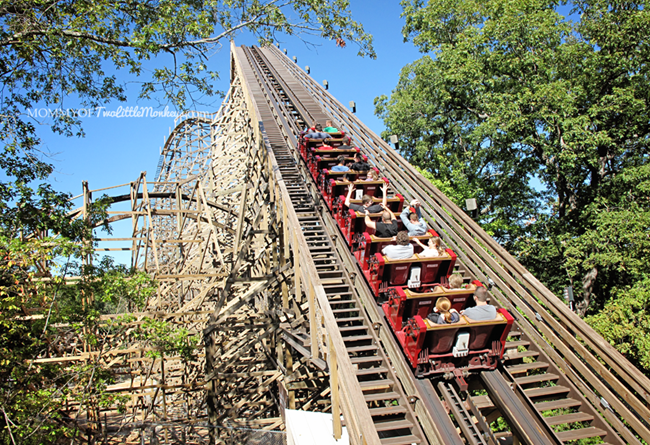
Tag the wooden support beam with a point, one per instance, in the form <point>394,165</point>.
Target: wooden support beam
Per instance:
<point>334,385</point>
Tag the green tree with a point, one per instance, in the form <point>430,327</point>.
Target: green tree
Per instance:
<point>57,54</point>
<point>41,316</point>
<point>621,320</point>
<point>544,121</point>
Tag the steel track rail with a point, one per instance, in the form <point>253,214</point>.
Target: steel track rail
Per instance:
<point>457,408</point>
<point>433,405</point>
<point>401,173</point>
<point>516,412</point>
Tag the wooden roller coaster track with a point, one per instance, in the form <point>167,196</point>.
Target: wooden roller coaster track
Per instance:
<point>248,257</point>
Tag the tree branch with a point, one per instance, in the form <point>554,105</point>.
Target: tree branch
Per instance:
<point>476,113</point>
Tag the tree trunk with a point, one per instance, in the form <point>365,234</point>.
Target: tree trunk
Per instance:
<point>588,282</point>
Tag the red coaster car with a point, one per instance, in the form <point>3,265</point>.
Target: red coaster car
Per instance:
<point>352,222</point>
<point>459,348</point>
<point>404,304</point>
<point>415,272</point>
<point>366,244</point>
<point>335,185</point>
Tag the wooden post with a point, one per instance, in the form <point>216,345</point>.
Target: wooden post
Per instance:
<point>135,219</point>
<point>85,298</point>
<point>179,228</point>
<point>296,266</point>
<point>334,386</point>
<point>164,394</point>
<point>147,201</point>
<point>273,249</point>
<point>284,254</point>
<point>240,219</point>
<point>280,345</point>
<point>291,394</point>
<point>313,330</point>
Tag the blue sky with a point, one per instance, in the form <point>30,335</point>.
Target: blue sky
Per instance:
<point>116,150</point>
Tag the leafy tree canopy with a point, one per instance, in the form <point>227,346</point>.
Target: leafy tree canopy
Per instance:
<point>54,53</point>
<point>545,121</point>
<point>623,317</point>
<point>42,317</point>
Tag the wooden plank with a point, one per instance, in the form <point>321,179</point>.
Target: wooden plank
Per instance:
<point>334,384</point>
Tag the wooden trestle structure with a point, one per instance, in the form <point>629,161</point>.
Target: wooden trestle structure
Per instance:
<point>239,250</point>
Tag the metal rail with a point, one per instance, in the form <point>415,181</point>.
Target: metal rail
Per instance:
<point>430,401</point>
<point>516,412</point>
<point>464,419</point>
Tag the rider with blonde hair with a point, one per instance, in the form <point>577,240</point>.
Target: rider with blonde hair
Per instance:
<point>456,281</point>
<point>431,249</point>
<point>443,313</point>
<point>372,175</point>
